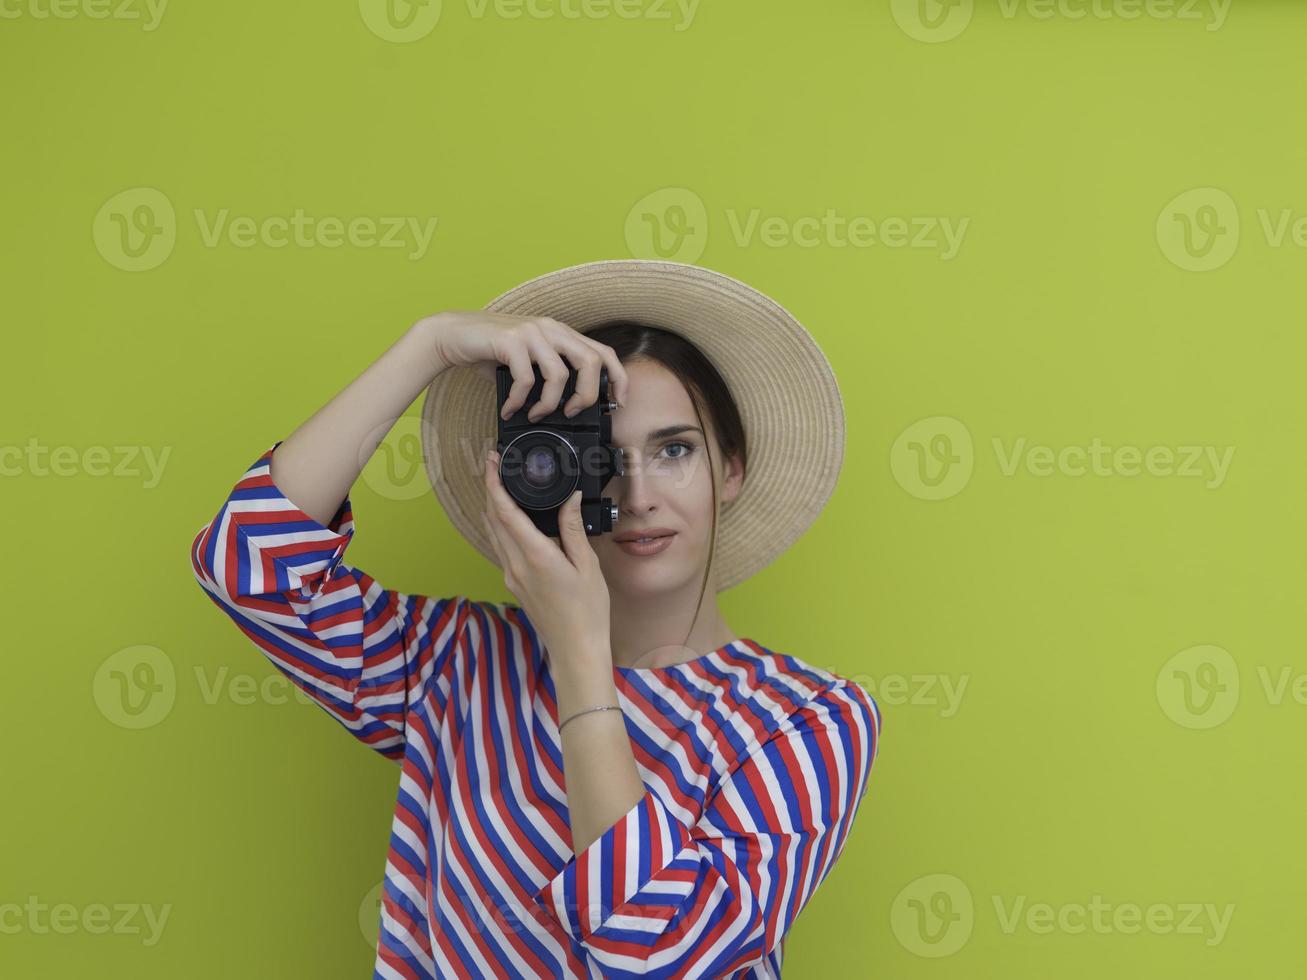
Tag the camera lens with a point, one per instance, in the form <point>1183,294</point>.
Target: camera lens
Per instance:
<point>539,468</point>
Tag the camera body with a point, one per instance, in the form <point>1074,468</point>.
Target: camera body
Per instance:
<point>544,462</point>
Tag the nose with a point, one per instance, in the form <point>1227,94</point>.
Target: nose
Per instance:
<point>636,493</point>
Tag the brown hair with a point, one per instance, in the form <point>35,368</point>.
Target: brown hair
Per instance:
<point>633,340</point>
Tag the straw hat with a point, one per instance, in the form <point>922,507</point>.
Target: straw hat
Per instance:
<point>783,385</point>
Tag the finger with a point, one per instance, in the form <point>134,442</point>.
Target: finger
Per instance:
<point>587,362</point>
<point>617,378</point>
<point>524,379</point>
<point>507,546</point>
<point>568,338</point>
<point>518,535</point>
<point>571,530</point>
<point>510,580</point>
<point>496,542</point>
<point>555,374</point>
<point>494,538</point>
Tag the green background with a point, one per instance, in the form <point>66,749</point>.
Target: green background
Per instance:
<point>1080,760</point>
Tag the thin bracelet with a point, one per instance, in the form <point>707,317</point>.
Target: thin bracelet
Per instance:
<point>606,707</point>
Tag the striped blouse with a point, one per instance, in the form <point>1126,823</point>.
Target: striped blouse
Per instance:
<point>754,764</point>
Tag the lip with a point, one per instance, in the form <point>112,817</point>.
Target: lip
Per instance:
<point>648,532</point>
<point>655,547</point>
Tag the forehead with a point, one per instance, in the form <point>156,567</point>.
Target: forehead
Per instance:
<point>656,398</point>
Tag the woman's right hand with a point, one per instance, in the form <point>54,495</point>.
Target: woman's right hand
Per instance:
<point>482,340</point>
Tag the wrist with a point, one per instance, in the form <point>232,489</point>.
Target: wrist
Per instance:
<point>583,679</point>
<point>614,709</point>
<point>426,333</point>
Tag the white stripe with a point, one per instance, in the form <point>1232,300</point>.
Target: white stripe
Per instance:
<point>397,928</point>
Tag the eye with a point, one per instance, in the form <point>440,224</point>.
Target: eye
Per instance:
<point>685,445</point>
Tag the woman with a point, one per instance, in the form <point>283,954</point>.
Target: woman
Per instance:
<point>582,786</point>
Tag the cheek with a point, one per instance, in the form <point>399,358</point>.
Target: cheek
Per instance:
<point>690,491</point>
<point>694,513</point>
<point>688,480</point>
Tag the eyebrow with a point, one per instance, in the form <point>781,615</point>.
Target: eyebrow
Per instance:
<point>671,430</point>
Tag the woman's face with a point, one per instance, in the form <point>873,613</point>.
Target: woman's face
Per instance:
<point>667,485</point>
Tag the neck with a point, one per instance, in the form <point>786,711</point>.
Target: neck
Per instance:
<point>651,632</point>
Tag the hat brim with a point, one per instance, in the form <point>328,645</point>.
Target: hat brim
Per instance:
<point>785,389</point>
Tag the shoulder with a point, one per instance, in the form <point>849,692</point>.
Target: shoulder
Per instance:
<point>824,733</point>
<point>795,693</point>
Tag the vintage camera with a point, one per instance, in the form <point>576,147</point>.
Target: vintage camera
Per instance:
<point>542,463</point>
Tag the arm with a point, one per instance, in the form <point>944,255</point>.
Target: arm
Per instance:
<point>272,559</point>
<point>602,779</point>
<point>662,894</point>
<point>319,462</point>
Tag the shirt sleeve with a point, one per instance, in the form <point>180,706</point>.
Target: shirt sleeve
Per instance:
<point>362,652</point>
<point>655,896</point>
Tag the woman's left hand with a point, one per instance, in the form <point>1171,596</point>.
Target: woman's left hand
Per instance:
<point>560,585</point>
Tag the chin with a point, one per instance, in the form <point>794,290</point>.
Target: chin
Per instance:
<point>646,582</point>
<point>643,584</point>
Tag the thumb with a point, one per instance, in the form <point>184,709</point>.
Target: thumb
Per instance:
<point>571,529</point>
